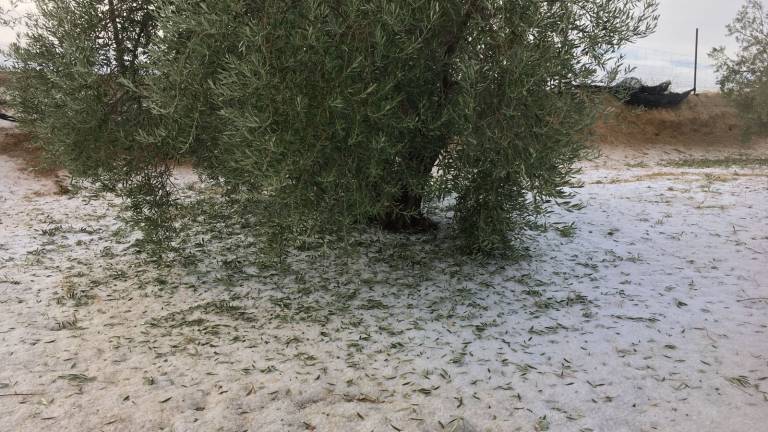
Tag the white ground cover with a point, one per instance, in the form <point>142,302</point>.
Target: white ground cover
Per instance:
<point>650,313</point>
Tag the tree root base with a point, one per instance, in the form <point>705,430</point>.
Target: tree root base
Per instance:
<point>408,224</point>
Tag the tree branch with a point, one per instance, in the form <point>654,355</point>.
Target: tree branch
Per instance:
<point>117,37</point>
<point>452,46</point>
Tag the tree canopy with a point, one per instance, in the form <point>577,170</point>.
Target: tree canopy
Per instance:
<point>744,78</point>
<point>335,113</point>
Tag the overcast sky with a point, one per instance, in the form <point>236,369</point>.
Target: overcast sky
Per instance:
<point>668,54</point>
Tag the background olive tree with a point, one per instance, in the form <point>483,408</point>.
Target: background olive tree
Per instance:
<point>744,78</point>
<point>333,113</point>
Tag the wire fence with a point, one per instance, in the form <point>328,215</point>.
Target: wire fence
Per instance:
<point>654,66</point>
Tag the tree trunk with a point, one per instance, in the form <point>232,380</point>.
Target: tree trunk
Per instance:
<point>406,214</point>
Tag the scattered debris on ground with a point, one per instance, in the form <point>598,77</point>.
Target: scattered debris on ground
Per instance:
<point>645,311</point>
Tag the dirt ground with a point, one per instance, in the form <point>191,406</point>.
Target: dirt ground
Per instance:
<point>645,311</point>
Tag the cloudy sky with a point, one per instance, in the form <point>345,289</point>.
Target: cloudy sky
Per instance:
<point>668,54</point>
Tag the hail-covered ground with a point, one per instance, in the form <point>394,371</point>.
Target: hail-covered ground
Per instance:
<point>645,311</point>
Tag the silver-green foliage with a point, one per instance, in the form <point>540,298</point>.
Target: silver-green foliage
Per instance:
<point>337,112</point>
<point>76,70</point>
<point>744,78</point>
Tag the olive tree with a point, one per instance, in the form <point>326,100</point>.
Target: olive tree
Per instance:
<point>77,66</point>
<point>335,113</point>
<point>744,78</point>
